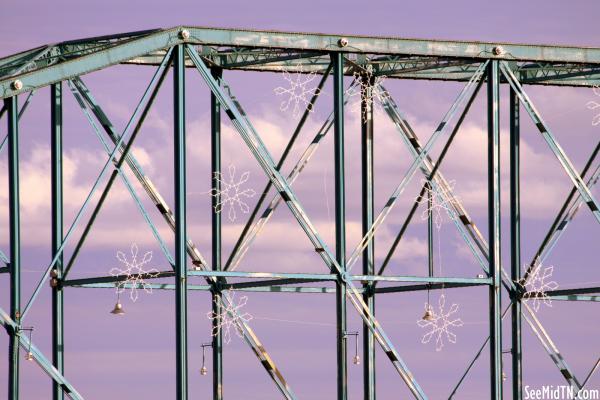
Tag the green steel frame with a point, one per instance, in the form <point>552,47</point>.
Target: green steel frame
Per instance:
<point>211,52</point>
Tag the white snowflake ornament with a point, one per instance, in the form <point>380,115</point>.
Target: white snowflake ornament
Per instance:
<point>441,202</point>
<point>135,272</point>
<point>593,105</point>
<point>232,316</point>
<point>440,323</point>
<point>232,193</point>
<point>537,284</point>
<point>299,91</point>
<point>367,88</point>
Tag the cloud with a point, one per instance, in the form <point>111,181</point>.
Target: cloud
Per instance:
<point>465,163</point>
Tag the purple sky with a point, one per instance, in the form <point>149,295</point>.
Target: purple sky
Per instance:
<point>133,357</point>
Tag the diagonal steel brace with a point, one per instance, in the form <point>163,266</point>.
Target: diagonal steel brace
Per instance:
<point>197,259</point>
<point>13,329</point>
<point>264,158</point>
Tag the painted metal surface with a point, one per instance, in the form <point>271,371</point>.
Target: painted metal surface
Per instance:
<point>56,153</point>
<point>493,109</point>
<point>215,170</point>
<point>212,50</point>
<point>367,214</point>
<point>179,211</point>
<point>337,62</point>
<point>515,243</point>
<point>262,155</point>
<point>14,222</point>
<point>54,63</point>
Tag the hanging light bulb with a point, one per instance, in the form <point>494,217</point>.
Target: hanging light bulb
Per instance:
<point>118,309</point>
<point>428,316</point>
<point>356,358</point>
<point>504,377</point>
<point>29,355</point>
<point>204,370</point>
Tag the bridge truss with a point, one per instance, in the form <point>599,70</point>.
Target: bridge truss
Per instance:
<point>211,52</point>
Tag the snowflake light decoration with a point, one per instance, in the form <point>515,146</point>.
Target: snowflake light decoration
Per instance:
<point>231,316</point>
<point>441,202</point>
<point>135,272</point>
<point>593,105</point>
<point>232,193</point>
<point>366,88</point>
<point>537,284</point>
<point>440,324</point>
<point>300,88</point>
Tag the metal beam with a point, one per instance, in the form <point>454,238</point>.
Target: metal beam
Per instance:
<point>368,211</point>
<point>88,58</point>
<point>340,223</point>
<point>197,258</point>
<point>83,95</point>
<point>570,292</point>
<point>236,257</point>
<point>215,151</point>
<point>179,210</point>
<point>531,318</point>
<point>515,244</point>
<point>274,276</point>
<point>467,93</point>
<point>465,225</point>
<point>14,330</point>
<point>11,105</point>
<point>428,286</point>
<point>117,148</point>
<point>569,209</point>
<point>263,156</point>
<point>566,163</point>
<point>90,62</point>
<point>56,160</point>
<point>493,109</point>
<point>249,231</point>
<point>576,297</point>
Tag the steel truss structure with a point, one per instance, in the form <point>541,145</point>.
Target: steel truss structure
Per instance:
<point>211,52</point>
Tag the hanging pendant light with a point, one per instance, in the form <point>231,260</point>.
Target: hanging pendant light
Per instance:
<point>29,355</point>
<point>204,370</point>
<point>428,316</point>
<point>356,358</point>
<point>118,309</point>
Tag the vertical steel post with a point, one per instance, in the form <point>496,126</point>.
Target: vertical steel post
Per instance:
<point>180,222</point>
<point>515,243</point>
<point>15,244</point>
<point>217,341</point>
<point>493,109</point>
<point>340,222</point>
<point>429,228</point>
<point>57,232</point>
<point>368,190</point>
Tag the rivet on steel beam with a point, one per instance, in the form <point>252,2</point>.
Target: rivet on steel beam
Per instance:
<point>184,34</point>
<point>498,50</point>
<point>343,42</point>
<point>17,85</point>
